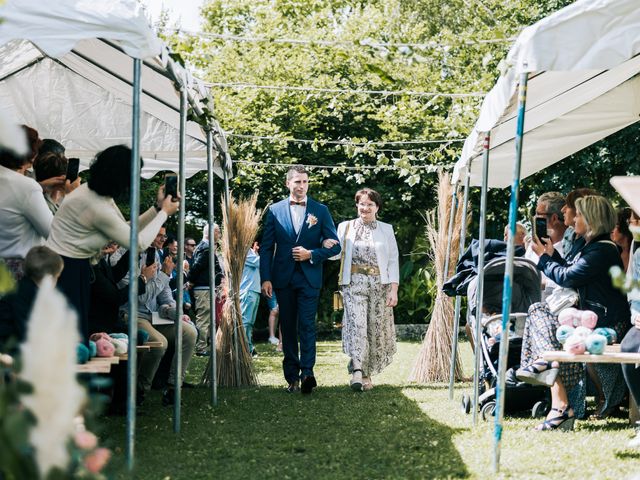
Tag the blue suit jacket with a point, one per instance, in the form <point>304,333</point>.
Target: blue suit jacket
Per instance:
<point>279,238</point>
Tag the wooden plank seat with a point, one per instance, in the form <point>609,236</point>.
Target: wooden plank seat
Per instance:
<point>94,367</point>
<point>612,354</point>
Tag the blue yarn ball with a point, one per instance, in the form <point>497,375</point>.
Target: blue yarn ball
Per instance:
<point>143,337</point>
<point>595,344</point>
<point>82,353</point>
<point>122,336</point>
<point>563,332</point>
<point>93,350</point>
<point>609,333</point>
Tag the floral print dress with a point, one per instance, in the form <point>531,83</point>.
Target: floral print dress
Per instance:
<point>368,331</point>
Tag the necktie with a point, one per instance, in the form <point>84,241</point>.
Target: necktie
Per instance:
<point>301,204</point>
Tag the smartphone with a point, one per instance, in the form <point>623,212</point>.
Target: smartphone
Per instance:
<point>72,169</point>
<point>151,256</point>
<point>171,185</point>
<point>540,227</point>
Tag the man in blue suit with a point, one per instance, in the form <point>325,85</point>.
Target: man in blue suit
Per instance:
<point>291,257</point>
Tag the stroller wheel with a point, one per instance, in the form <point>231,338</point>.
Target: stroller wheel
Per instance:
<point>540,409</point>
<point>488,410</point>
<point>466,403</point>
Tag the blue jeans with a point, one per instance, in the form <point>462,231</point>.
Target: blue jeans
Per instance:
<point>249,302</point>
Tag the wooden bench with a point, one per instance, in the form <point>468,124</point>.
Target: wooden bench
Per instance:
<point>612,354</point>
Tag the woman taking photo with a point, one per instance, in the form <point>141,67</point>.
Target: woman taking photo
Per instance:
<point>369,284</point>
<point>588,273</point>
<point>89,218</point>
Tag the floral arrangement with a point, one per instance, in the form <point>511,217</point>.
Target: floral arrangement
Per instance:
<point>42,430</point>
<point>311,220</point>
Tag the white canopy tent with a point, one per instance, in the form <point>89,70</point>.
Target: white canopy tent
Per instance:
<point>77,89</point>
<point>571,80</point>
<point>585,87</point>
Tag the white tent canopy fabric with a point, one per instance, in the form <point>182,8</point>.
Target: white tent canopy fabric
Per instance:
<point>80,94</point>
<point>580,96</point>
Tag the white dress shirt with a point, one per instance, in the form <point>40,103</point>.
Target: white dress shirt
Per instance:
<point>297,213</point>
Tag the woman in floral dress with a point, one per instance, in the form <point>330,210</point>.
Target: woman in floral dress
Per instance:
<point>369,282</point>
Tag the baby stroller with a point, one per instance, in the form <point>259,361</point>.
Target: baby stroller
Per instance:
<point>519,396</point>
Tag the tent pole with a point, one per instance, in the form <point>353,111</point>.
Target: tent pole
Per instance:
<point>456,316</point>
<point>134,202</point>
<point>236,342</point>
<point>212,270</point>
<point>508,273</point>
<point>182,191</point>
<point>450,232</point>
<point>480,293</point>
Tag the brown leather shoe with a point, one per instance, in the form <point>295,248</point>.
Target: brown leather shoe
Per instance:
<point>308,384</point>
<point>293,387</point>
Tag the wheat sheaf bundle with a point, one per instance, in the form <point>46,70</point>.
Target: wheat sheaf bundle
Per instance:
<point>434,360</point>
<point>240,226</point>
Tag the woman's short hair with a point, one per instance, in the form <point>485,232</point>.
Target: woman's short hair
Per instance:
<point>49,165</point>
<point>598,213</point>
<point>110,172</point>
<point>374,196</point>
<point>578,193</point>
<point>42,261</point>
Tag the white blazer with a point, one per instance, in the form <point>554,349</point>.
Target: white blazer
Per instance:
<point>386,252</point>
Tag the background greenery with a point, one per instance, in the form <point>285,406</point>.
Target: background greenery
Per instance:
<point>462,57</point>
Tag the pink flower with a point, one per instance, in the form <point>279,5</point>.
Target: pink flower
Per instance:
<point>86,440</point>
<point>97,459</point>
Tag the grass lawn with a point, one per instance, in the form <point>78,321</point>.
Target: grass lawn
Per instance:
<point>398,430</point>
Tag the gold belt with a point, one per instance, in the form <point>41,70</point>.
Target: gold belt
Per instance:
<point>365,269</point>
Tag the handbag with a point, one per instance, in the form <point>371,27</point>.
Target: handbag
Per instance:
<point>562,298</point>
<point>338,301</point>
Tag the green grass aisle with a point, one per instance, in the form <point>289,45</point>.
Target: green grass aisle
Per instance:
<point>396,431</point>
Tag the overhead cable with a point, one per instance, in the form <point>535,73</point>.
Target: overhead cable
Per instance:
<point>431,168</point>
<point>241,86</point>
<point>346,143</point>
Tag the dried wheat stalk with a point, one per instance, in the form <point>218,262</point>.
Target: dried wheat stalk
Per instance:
<point>434,360</point>
<point>234,363</point>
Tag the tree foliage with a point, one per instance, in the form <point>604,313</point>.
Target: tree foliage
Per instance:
<point>448,46</point>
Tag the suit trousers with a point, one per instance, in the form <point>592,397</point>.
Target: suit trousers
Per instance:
<point>298,304</point>
<point>631,344</point>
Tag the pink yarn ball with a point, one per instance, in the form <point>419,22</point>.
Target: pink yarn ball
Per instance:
<point>104,348</point>
<point>575,345</point>
<point>583,332</point>
<point>589,319</point>
<point>566,317</point>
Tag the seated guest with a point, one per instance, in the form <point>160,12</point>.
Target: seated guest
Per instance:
<point>15,308</point>
<point>588,273</point>
<point>571,241</point>
<point>521,234</point>
<point>631,341</point>
<point>89,218</point>
<point>106,296</point>
<point>622,237</point>
<point>157,302</point>
<point>250,289</point>
<point>25,219</point>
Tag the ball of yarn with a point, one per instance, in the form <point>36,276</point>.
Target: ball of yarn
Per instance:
<point>609,333</point>
<point>595,344</point>
<point>143,336</point>
<point>563,332</point>
<point>82,353</point>
<point>105,348</point>
<point>583,332</point>
<point>97,336</point>
<point>569,316</point>
<point>120,336</point>
<point>92,349</point>
<point>120,345</point>
<point>589,319</point>
<point>575,345</point>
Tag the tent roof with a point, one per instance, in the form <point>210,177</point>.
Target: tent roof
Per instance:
<point>81,92</point>
<point>579,95</point>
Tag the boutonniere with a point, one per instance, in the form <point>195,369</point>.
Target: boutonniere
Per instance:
<point>311,220</point>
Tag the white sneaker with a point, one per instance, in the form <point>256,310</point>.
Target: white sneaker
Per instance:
<point>273,340</point>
